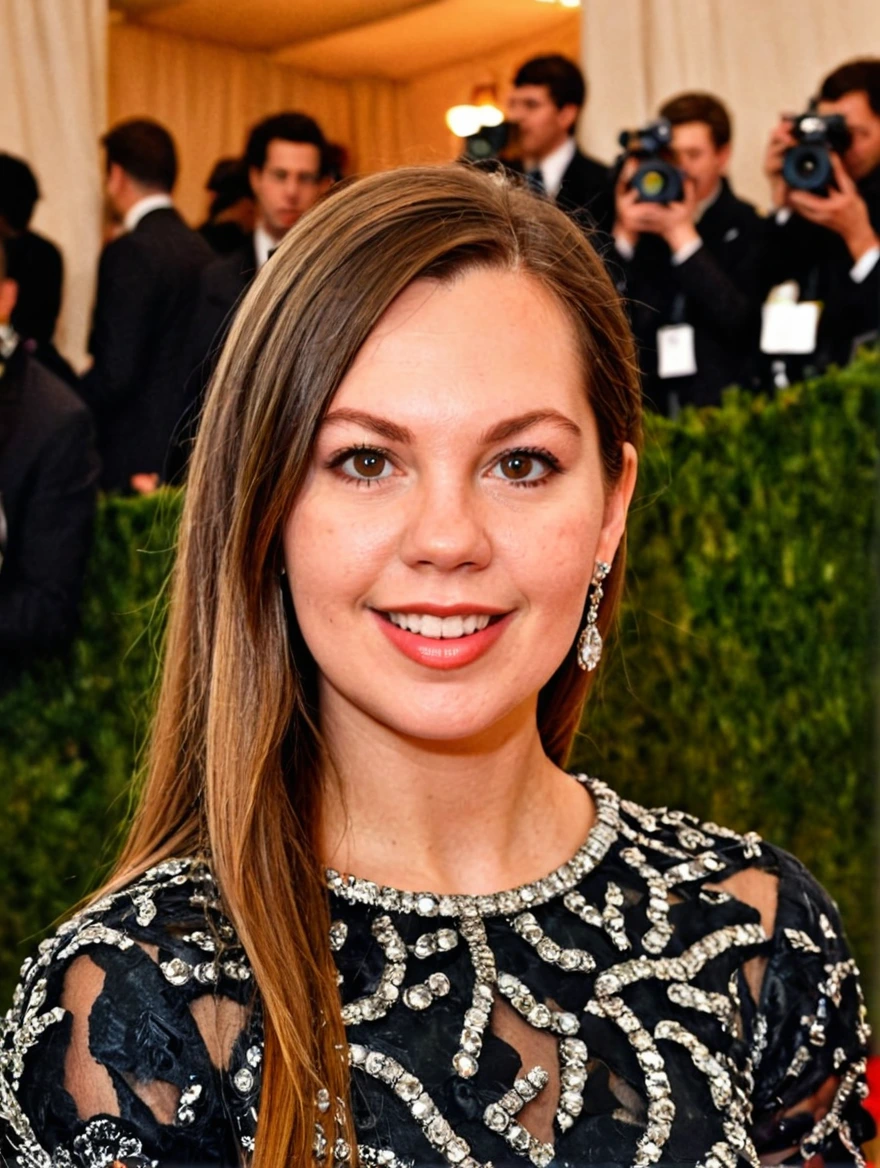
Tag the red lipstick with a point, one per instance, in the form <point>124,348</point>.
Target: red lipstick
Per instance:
<point>444,653</point>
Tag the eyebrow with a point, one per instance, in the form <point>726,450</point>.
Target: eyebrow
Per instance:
<point>507,428</point>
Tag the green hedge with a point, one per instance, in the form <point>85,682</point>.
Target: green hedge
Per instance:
<point>740,688</point>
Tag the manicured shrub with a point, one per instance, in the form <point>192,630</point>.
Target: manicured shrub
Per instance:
<point>740,687</point>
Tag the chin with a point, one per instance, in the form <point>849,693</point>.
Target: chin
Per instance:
<point>442,715</point>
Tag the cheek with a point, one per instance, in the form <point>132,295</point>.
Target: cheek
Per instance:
<point>332,559</point>
<point>553,562</point>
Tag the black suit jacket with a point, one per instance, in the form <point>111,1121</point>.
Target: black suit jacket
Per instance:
<point>821,263</point>
<point>587,192</point>
<point>37,267</point>
<point>717,291</point>
<point>147,285</point>
<point>222,285</point>
<point>48,483</point>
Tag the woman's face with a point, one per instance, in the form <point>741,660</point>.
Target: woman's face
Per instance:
<point>440,553</point>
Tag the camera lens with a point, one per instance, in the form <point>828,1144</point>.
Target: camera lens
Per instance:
<point>652,183</point>
<point>807,167</point>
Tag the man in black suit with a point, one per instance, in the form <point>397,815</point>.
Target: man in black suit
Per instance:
<point>828,244</point>
<point>545,102</point>
<point>34,263</point>
<point>48,484</point>
<point>286,157</point>
<point>147,284</point>
<point>692,269</point>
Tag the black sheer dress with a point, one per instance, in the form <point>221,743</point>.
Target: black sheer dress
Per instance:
<point>674,994</point>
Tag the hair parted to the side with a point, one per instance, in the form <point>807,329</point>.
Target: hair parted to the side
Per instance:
<point>236,759</point>
<point>700,107</point>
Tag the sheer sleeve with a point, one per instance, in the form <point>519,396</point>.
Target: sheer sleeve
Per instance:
<point>133,1035</point>
<point>809,1033</point>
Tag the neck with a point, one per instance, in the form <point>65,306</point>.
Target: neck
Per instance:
<point>538,159</point>
<point>134,196</point>
<point>469,816</point>
<point>263,225</point>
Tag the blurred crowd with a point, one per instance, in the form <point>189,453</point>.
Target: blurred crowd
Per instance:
<point>718,294</point>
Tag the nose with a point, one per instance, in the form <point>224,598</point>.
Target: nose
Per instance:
<point>445,528</point>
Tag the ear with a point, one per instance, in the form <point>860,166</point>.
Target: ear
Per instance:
<point>254,175</point>
<point>567,116</point>
<point>617,503</point>
<point>723,156</point>
<point>8,298</point>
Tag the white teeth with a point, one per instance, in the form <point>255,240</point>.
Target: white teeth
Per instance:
<point>436,627</point>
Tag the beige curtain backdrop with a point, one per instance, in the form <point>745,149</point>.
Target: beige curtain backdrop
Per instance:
<point>52,110</point>
<point>761,57</point>
<point>208,97</point>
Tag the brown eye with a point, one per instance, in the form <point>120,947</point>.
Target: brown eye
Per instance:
<point>524,466</point>
<point>367,465</point>
<point>517,466</point>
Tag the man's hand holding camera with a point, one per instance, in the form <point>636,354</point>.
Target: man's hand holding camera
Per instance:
<point>839,208</point>
<point>675,222</point>
<point>842,210</point>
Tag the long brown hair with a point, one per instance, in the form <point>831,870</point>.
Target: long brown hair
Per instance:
<point>236,761</point>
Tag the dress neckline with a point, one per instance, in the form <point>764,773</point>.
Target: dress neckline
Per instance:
<point>592,851</point>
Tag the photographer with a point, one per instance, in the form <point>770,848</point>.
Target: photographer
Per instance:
<point>692,266</point>
<point>829,241</point>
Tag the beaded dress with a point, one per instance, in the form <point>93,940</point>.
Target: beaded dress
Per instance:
<point>628,1009</point>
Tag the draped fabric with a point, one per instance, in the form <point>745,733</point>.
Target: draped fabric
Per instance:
<point>209,96</point>
<point>761,58</point>
<point>52,112</point>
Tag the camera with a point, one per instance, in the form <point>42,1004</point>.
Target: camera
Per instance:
<point>807,166</point>
<point>657,179</point>
<point>491,143</point>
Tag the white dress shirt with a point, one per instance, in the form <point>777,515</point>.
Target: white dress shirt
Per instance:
<point>554,166</point>
<point>264,244</point>
<point>143,207</point>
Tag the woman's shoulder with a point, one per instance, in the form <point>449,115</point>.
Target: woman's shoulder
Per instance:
<point>713,862</point>
<point>805,1008</point>
<point>172,912</point>
<point>140,1005</point>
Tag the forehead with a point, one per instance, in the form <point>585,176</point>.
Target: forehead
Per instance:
<point>854,106</point>
<point>532,95</point>
<point>299,156</point>
<point>488,344</point>
<point>692,136</point>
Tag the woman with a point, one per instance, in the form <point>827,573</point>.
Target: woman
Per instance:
<point>402,546</point>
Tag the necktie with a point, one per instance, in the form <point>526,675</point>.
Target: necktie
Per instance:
<point>535,179</point>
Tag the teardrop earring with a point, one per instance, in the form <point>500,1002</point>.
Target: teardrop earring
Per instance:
<point>589,647</point>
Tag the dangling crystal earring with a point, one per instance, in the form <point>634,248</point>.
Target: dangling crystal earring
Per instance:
<point>589,651</point>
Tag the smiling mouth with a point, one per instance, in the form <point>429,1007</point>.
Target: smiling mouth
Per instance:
<point>445,628</point>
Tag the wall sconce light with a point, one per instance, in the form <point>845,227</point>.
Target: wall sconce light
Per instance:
<point>465,120</point>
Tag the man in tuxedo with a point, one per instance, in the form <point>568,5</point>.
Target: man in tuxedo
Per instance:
<point>147,285</point>
<point>828,243</point>
<point>34,263</point>
<point>48,483</point>
<point>286,158</point>
<point>692,269</point>
<point>545,102</point>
